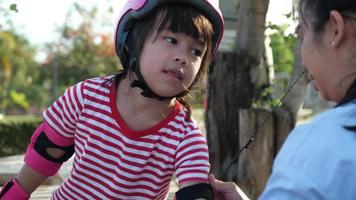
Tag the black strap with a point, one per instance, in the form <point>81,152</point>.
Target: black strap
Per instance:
<point>141,83</point>
<point>42,143</point>
<point>6,188</point>
<point>201,190</point>
<point>350,95</point>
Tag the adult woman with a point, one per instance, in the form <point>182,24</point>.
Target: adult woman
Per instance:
<point>318,160</point>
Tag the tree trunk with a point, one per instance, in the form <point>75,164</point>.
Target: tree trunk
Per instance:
<point>255,164</point>
<point>230,119</point>
<point>286,115</point>
<point>231,87</point>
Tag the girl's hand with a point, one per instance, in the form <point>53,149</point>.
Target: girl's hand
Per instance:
<point>226,190</point>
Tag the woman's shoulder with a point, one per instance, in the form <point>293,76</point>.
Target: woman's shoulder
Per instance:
<point>327,123</point>
<point>320,155</point>
<point>337,115</point>
<point>323,142</point>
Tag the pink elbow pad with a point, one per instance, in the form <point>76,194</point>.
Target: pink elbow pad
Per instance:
<point>13,190</point>
<point>36,156</point>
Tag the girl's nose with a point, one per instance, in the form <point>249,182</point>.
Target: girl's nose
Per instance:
<point>182,59</point>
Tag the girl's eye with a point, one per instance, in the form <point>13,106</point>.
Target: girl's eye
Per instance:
<point>197,52</point>
<point>171,40</point>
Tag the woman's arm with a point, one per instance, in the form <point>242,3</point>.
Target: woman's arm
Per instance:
<point>226,190</point>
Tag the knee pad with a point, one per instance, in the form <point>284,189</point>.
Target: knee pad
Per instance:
<point>201,190</point>
<point>36,155</point>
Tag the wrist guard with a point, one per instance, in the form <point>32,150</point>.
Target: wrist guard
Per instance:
<point>201,190</point>
<point>13,190</point>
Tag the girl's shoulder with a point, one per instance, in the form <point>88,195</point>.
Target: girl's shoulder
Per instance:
<point>97,84</point>
<point>182,118</point>
<point>100,81</point>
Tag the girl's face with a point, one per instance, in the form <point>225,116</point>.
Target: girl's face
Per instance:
<point>318,59</point>
<point>170,62</point>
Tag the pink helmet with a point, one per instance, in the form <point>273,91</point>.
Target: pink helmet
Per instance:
<point>137,9</point>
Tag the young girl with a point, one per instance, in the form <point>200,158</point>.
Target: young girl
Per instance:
<point>130,132</point>
<point>318,160</point>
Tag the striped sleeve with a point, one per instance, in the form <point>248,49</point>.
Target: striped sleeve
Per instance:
<point>63,114</point>
<point>192,158</point>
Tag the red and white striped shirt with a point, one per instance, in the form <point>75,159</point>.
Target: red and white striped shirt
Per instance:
<point>114,162</point>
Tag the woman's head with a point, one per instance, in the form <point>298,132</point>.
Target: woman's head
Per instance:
<point>318,11</point>
<point>328,34</point>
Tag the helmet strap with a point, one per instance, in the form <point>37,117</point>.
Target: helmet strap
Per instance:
<point>141,83</point>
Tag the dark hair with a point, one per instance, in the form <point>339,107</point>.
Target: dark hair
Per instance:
<point>319,10</point>
<point>178,18</point>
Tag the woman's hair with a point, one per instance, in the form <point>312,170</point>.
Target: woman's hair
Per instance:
<point>178,18</point>
<point>319,10</point>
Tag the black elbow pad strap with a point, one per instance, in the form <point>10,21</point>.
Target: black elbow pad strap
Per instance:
<point>201,190</point>
<point>42,143</point>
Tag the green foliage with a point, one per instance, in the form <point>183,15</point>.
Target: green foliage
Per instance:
<point>15,134</point>
<point>5,15</point>
<point>81,52</point>
<point>19,99</point>
<point>13,7</point>
<point>282,45</point>
<point>18,70</point>
<point>265,97</point>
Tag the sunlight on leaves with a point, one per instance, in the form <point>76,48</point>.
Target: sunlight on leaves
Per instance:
<point>13,7</point>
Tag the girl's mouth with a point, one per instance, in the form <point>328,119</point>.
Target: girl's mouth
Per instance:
<point>174,73</point>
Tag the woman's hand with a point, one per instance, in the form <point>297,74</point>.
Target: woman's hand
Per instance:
<point>226,190</point>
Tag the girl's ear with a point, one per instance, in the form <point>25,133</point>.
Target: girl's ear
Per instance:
<point>337,28</point>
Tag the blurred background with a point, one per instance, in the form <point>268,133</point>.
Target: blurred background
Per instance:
<point>46,46</point>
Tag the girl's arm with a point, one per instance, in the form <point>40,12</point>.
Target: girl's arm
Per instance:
<point>29,179</point>
<point>26,181</point>
<point>192,166</point>
<point>44,156</point>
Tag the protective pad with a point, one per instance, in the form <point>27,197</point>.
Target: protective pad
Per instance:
<point>42,143</point>
<point>36,156</point>
<point>13,191</point>
<point>201,190</point>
